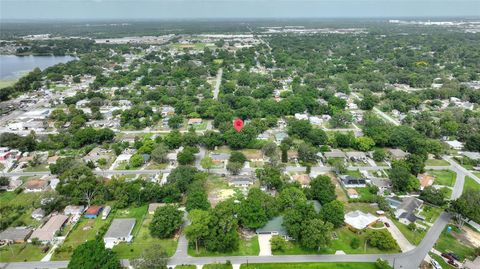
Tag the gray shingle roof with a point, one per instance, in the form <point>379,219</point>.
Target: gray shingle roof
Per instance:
<point>120,228</point>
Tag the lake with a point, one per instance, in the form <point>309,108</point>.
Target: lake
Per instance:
<point>13,67</point>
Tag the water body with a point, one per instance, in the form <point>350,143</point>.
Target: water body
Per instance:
<point>12,67</point>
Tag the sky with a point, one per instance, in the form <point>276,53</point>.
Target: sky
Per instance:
<point>216,9</point>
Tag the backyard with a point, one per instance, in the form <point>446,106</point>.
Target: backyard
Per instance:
<point>414,237</point>
<point>247,247</point>
<point>21,253</point>
<point>443,177</point>
<point>341,242</point>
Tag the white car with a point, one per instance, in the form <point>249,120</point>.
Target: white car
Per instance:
<point>435,264</point>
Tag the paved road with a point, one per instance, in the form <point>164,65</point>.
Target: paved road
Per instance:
<point>458,167</point>
<point>387,117</point>
<point>216,89</point>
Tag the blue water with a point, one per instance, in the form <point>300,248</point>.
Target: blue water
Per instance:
<point>13,67</point>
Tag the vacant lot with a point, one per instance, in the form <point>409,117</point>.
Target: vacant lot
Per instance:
<point>443,177</point>
<point>247,247</point>
<point>21,253</point>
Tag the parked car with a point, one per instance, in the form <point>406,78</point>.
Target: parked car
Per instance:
<point>447,256</point>
<point>387,224</point>
<point>454,256</point>
<point>435,264</point>
<point>452,263</point>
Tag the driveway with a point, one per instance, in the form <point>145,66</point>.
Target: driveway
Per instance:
<point>264,242</point>
<point>404,244</point>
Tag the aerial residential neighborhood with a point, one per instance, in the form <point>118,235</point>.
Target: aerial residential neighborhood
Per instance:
<point>243,144</point>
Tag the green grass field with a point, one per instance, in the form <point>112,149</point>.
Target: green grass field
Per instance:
<point>7,83</point>
<point>344,238</point>
<point>217,266</point>
<point>187,266</point>
<point>471,184</point>
<point>414,237</point>
<point>246,248</point>
<point>435,162</point>
<point>443,177</point>
<point>21,253</point>
<point>431,213</point>
<point>448,243</point>
<point>325,265</point>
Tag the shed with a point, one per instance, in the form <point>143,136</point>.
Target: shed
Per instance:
<point>93,211</point>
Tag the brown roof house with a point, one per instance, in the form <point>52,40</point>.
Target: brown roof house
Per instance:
<point>425,180</point>
<point>36,185</point>
<point>93,211</point>
<point>303,179</point>
<point>46,234</point>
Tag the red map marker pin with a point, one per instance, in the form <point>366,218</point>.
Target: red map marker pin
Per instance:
<point>238,124</point>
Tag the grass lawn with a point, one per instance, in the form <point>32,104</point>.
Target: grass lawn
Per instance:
<point>217,266</point>
<point>471,184</point>
<point>477,174</point>
<point>38,168</point>
<point>364,193</point>
<point>431,213</point>
<point>7,83</point>
<point>85,229</point>
<point>144,240</point>
<point>344,238</point>
<point>414,237</point>
<point>317,265</point>
<point>435,162</point>
<point>247,247</point>
<point>188,266</point>
<point>364,207</point>
<point>443,177</point>
<point>21,253</point>
<point>448,243</point>
<point>354,173</point>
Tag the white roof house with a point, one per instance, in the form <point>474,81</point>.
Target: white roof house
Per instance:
<point>359,220</point>
<point>119,231</point>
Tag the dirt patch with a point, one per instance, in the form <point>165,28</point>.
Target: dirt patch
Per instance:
<point>217,196</point>
<point>472,236</point>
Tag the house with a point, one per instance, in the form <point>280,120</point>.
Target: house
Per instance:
<point>359,220</point>
<point>15,235</point>
<point>352,182</point>
<point>219,158</point>
<point>303,179</point>
<point>383,184</point>
<point>455,144</point>
<point>119,231</point>
<point>352,194</point>
<point>471,155</point>
<point>356,156</point>
<point>240,181</point>
<point>280,136</point>
<point>96,154</point>
<point>425,180</point>
<point>73,210</point>
<point>405,212</point>
<point>106,212</point>
<point>153,206</point>
<point>397,154</point>
<point>314,120</point>
<point>301,116</point>
<point>36,185</point>
<point>335,153</point>
<point>274,227</point>
<point>292,154</point>
<point>38,214</point>
<point>194,121</point>
<point>93,211</point>
<point>167,111</point>
<point>46,234</point>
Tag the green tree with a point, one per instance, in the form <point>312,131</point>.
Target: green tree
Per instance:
<point>234,167</point>
<point>4,181</point>
<point>166,221</point>
<point>186,156</point>
<point>237,156</point>
<point>159,153</point>
<point>341,119</point>
<point>355,243</point>
<point>382,264</point>
<point>364,143</point>
<point>322,189</point>
<point>379,155</point>
<point>136,161</point>
<point>270,149</point>
<point>93,255</point>
<point>402,180</point>
<point>333,212</point>
<point>153,257</point>
<point>252,212</point>
<point>277,243</point>
<point>381,239</point>
<point>316,234</point>
<point>466,207</point>
<point>292,196</point>
<point>175,121</point>
<point>207,163</point>
<point>307,153</point>
<point>199,227</point>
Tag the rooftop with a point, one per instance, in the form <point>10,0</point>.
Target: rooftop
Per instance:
<point>120,228</point>
<point>359,220</point>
